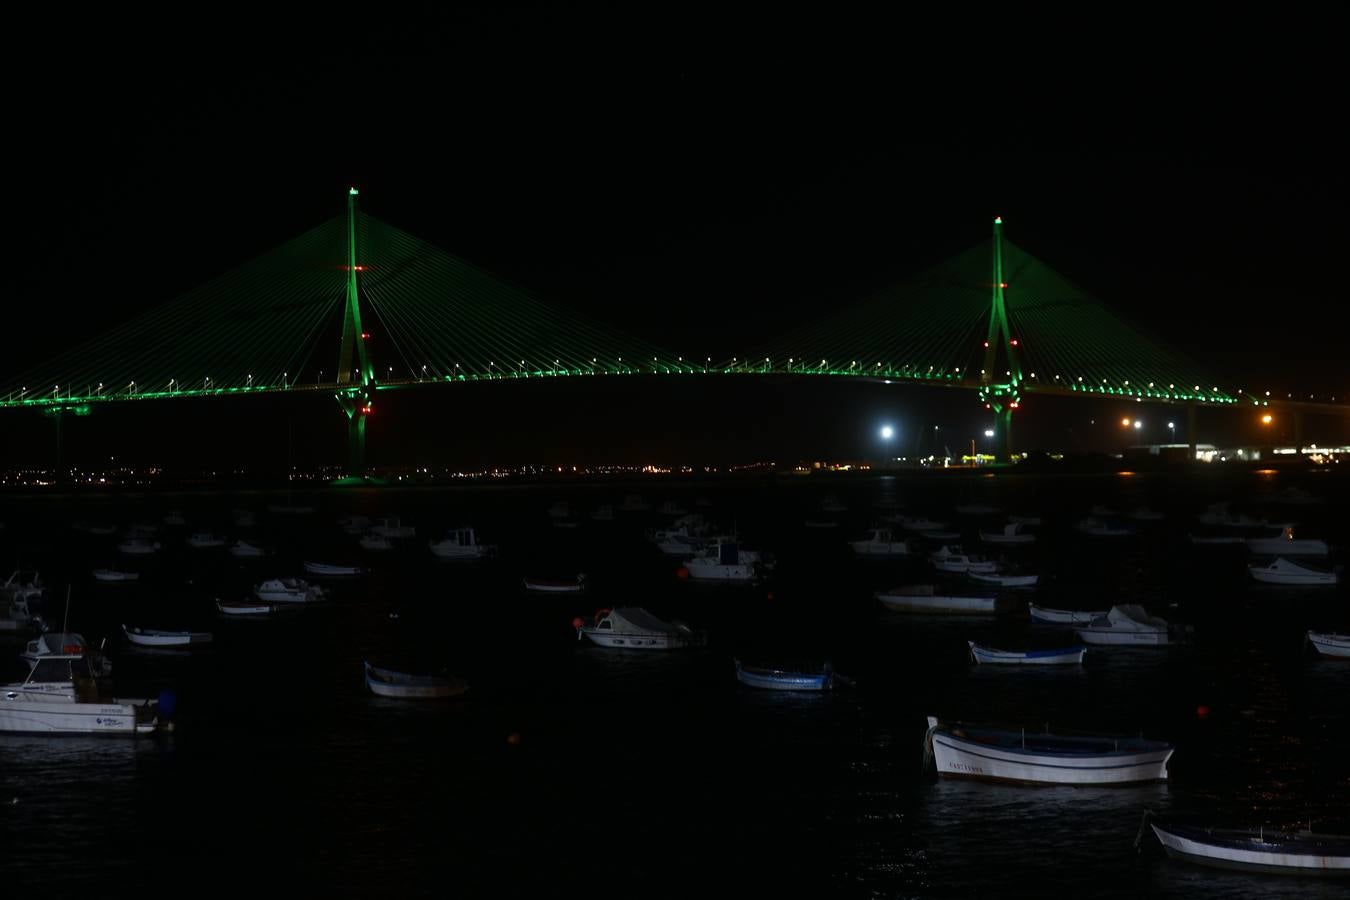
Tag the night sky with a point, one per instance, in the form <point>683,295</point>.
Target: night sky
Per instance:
<point>690,176</point>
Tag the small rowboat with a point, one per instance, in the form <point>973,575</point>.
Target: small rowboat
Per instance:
<point>574,585</point>
<point>1257,849</point>
<point>1008,581</point>
<point>110,576</point>
<point>1337,645</point>
<point>148,637</point>
<point>313,568</point>
<point>925,598</point>
<point>388,683</point>
<point>244,608</point>
<point>1063,656</point>
<point>790,680</point>
<point>1007,754</point>
<point>1063,616</point>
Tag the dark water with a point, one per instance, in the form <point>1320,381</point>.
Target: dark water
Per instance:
<point>576,769</point>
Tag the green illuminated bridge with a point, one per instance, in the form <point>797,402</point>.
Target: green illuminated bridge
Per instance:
<point>405,313</point>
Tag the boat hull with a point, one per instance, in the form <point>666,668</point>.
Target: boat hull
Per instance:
<point>1111,637</point>
<point>649,640</point>
<point>1285,547</point>
<point>1328,645</point>
<point>1063,616</point>
<point>57,717</point>
<point>970,606</point>
<point>784,681</point>
<point>957,758</point>
<point>1069,656</point>
<point>1293,579</point>
<point>1190,845</point>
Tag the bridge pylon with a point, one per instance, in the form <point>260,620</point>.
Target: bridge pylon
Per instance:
<point>356,372</point>
<point>1001,375</point>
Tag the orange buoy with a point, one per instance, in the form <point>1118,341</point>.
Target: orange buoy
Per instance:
<point>513,739</point>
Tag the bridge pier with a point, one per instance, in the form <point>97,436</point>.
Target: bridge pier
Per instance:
<point>356,444</point>
<point>1190,431</point>
<point>1003,434</point>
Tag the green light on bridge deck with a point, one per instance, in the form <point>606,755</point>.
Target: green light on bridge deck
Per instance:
<point>353,192</point>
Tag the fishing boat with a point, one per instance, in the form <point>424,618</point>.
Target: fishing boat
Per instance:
<point>403,686</point>
<point>1285,544</point>
<point>149,637</point>
<point>245,550</point>
<point>244,608</point>
<point>138,547</point>
<point>329,571</point>
<point>573,585</point>
<point>823,679</point>
<point>1026,757</point>
<point>723,561</point>
<point>1063,656</point>
<point>1282,571</point>
<point>460,544</point>
<point>61,695</point>
<point>948,558</point>
<point>205,540</point>
<point>1063,616</point>
<point>926,598</point>
<point>376,543</point>
<point>113,576</point>
<point>1005,579</point>
<point>1127,625</point>
<point>1098,527</point>
<point>1257,849</point>
<point>1329,644</point>
<point>633,628</point>
<point>1012,533</point>
<point>880,542</point>
<point>289,590</point>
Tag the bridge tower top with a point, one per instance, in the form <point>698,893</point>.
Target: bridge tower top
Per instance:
<point>353,337</point>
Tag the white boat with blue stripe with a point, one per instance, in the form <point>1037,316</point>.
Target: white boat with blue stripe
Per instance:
<point>1062,656</point>
<point>1257,849</point>
<point>991,753</point>
<point>824,679</point>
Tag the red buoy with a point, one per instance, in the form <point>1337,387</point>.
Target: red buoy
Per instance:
<point>577,622</point>
<point>1202,711</point>
<point>769,596</point>
<point>682,573</point>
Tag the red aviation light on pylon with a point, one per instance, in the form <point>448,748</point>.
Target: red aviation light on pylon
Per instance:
<point>986,345</point>
<point>365,335</point>
<point>1014,404</point>
<point>1014,342</point>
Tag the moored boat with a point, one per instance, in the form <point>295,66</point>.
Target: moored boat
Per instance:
<point>1328,644</point>
<point>149,637</point>
<point>331,571</point>
<point>573,585</point>
<point>1063,616</point>
<point>1099,527</point>
<point>1127,625</point>
<point>460,544</point>
<point>1288,545</point>
<point>1012,533</point>
<point>205,540</point>
<point>377,543</point>
<point>880,542</point>
<point>289,590</point>
<point>1062,656</point>
<point>1282,571</point>
<point>138,547</point>
<point>113,576</point>
<point>1017,755</point>
<point>22,585</point>
<point>822,679</point>
<point>1257,849</point>
<point>956,560</point>
<point>245,550</point>
<point>244,608</point>
<point>633,628</point>
<point>926,598</point>
<point>61,695</point>
<point>724,561</point>
<point>404,686</point>
<point>1005,579</point>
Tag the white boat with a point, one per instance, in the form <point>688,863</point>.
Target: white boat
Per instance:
<point>1102,528</point>
<point>1012,533</point>
<point>1127,625</point>
<point>112,576</point>
<point>1063,616</point>
<point>245,550</point>
<point>460,543</point>
<point>1005,579</point>
<point>403,686</point>
<point>1282,571</point>
<point>138,547</point>
<point>23,584</point>
<point>1018,755</point>
<point>326,570</point>
<point>15,615</point>
<point>289,590</point>
<point>244,608</point>
<point>681,539</point>
<point>1287,545</point>
<point>921,523</point>
<point>723,561</point>
<point>393,528</point>
<point>1063,656</point>
<point>926,598</point>
<point>1219,514</point>
<point>149,637</point>
<point>940,536</point>
<point>1257,849</point>
<point>205,540</point>
<point>574,585</point>
<point>376,543</point>
<point>822,678</point>
<point>953,559</point>
<point>1205,540</point>
<point>1329,644</point>
<point>61,695</point>
<point>880,542</point>
<point>633,628</point>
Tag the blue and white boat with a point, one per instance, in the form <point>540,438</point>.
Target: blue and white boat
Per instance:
<point>1062,656</point>
<point>1257,849</point>
<point>990,753</point>
<point>790,679</point>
